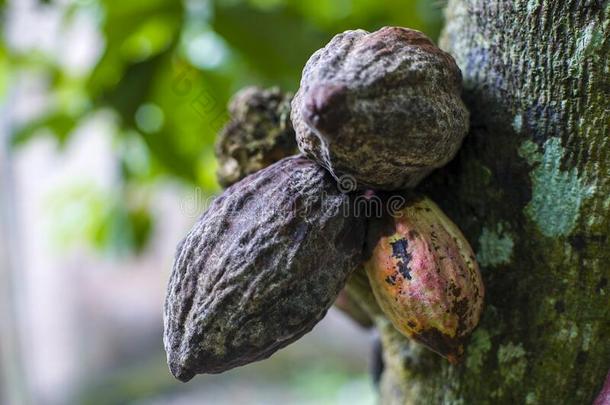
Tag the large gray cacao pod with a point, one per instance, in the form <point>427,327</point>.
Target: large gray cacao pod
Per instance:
<point>382,107</point>
<point>260,268</point>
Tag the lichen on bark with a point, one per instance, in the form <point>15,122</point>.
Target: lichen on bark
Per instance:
<point>537,161</point>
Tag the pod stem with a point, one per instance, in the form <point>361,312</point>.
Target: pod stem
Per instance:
<point>402,358</point>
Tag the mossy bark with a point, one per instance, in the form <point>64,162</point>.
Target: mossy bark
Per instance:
<point>531,191</point>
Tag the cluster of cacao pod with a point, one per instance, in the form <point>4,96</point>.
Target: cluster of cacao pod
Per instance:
<point>271,254</point>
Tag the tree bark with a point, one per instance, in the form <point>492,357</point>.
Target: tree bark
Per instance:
<point>531,191</point>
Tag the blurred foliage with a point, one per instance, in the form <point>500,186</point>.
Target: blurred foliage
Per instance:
<point>166,69</point>
<point>102,218</point>
<point>316,380</point>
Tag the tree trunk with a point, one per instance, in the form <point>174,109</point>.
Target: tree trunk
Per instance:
<point>531,191</point>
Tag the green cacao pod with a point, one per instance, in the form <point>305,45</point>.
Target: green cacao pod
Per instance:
<point>259,269</point>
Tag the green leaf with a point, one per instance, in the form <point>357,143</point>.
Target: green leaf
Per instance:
<point>60,126</point>
<point>276,43</point>
<point>134,31</point>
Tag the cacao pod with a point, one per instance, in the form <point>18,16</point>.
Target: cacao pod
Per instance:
<point>425,277</point>
<point>259,269</point>
<point>259,133</point>
<point>382,107</point>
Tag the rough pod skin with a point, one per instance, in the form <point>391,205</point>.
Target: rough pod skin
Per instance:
<point>259,133</point>
<point>425,278</point>
<point>383,107</point>
<point>259,269</point>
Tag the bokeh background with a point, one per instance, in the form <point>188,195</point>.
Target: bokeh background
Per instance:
<point>108,114</point>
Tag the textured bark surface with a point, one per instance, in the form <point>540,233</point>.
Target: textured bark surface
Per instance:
<point>531,191</point>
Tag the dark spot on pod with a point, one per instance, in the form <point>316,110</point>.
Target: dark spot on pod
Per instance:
<point>461,309</point>
<point>400,252</point>
<point>391,279</point>
<point>455,290</point>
